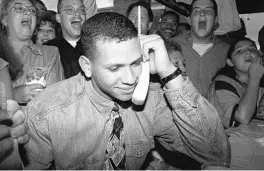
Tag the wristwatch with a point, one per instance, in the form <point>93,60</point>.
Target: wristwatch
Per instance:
<point>173,75</point>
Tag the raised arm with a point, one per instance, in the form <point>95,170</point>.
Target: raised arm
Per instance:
<point>199,125</point>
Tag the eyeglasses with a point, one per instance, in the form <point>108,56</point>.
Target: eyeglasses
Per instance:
<point>21,8</point>
<point>71,11</point>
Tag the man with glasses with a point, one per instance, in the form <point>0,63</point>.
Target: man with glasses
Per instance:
<point>71,15</point>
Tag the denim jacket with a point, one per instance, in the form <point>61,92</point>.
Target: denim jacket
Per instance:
<point>70,125</point>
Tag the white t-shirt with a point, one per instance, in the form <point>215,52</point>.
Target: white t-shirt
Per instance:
<point>73,43</point>
<point>201,48</point>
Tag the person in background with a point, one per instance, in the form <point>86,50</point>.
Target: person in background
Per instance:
<point>204,54</point>
<point>261,40</point>
<point>146,16</point>
<point>237,91</point>
<point>47,28</point>
<point>9,156</point>
<point>168,25</point>
<point>175,54</point>
<point>183,27</point>
<point>41,64</point>
<point>71,16</point>
<point>89,122</point>
<point>40,6</point>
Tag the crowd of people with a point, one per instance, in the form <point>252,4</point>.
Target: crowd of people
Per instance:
<point>71,77</point>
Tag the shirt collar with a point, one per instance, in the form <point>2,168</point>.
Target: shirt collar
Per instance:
<point>188,38</point>
<point>105,106</point>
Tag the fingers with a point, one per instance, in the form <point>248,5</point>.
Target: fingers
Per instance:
<point>12,107</point>
<point>4,132</point>
<point>147,44</point>
<point>24,139</point>
<point>18,118</point>
<point>19,130</point>
<point>6,146</point>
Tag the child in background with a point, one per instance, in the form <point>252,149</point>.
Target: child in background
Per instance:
<point>47,28</point>
<point>236,91</point>
<point>175,54</point>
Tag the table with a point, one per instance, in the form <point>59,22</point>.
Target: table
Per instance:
<point>247,149</point>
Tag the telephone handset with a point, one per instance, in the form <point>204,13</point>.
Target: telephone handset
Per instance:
<point>141,90</point>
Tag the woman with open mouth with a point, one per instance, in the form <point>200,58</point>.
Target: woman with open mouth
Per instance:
<point>18,19</point>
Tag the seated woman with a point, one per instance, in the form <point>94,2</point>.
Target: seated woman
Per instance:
<point>47,28</point>
<point>236,91</point>
<point>41,64</point>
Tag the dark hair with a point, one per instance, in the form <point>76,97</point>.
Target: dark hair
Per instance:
<point>59,5</point>
<point>261,39</point>
<point>49,16</point>
<point>142,4</point>
<point>213,1</point>
<point>232,47</point>
<point>186,25</point>
<point>173,46</point>
<point>40,2</point>
<point>106,26</point>
<point>171,13</point>
<point>228,70</point>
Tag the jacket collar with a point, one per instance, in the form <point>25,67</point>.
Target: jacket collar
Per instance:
<point>35,49</point>
<point>102,104</point>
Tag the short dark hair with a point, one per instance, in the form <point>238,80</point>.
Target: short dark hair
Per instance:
<point>213,1</point>
<point>261,39</point>
<point>39,1</point>
<point>171,13</point>
<point>142,4</point>
<point>59,5</point>
<point>232,47</point>
<point>106,26</point>
<point>49,16</point>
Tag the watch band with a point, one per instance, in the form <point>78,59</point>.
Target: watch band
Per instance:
<point>173,75</point>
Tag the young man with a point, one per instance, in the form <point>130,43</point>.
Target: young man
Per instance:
<point>168,25</point>
<point>146,16</point>
<point>204,54</point>
<point>89,121</point>
<point>71,16</point>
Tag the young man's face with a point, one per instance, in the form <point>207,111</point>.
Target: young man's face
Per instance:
<point>243,55</point>
<point>168,26</point>
<point>203,18</point>
<point>71,23</point>
<point>116,68</point>
<point>45,32</point>
<point>145,24</point>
